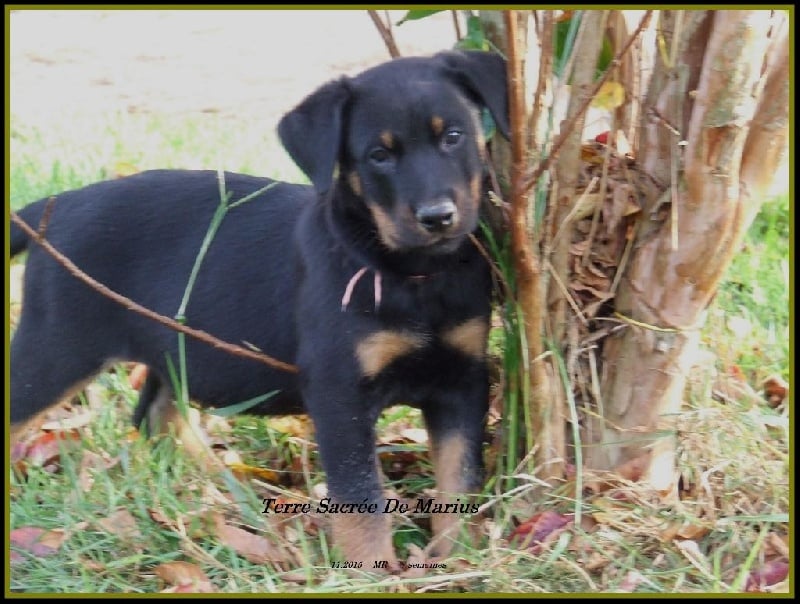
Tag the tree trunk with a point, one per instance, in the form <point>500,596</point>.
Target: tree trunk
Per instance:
<point>713,128</point>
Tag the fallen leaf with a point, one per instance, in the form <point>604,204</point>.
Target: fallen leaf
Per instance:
<point>684,529</point>
<point>43,450</point>
<point>90,464</point>
<point>36,541</point>
<point>243,471</point>
<point>631,581</point>
<point>776,389</point>
<point>632,471</point>
<point>771,573</point>
<point>540,529</point>
<point>187,577</point>
<point>252,547</point>
<point>122,524</point>
<point>92,565</point>
<point>69,423</point>
<point>293,425</point>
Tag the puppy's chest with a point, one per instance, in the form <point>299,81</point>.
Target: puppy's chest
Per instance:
<point>422,325</point>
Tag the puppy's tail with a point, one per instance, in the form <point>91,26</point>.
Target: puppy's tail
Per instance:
<point>32,214</point>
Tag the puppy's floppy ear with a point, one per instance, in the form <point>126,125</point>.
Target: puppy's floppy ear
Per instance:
<point>312,132</point>
<point>484,75</point>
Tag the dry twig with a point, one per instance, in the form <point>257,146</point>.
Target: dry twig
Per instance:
<point>198,334</point>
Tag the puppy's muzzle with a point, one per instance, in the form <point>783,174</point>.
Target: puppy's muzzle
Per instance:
<point>437,217</point>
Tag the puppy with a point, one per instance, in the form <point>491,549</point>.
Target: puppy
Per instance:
<point>367,281</point>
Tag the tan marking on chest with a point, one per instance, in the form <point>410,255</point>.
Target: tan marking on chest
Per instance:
<point>469,337</point>
<point>380,349</point>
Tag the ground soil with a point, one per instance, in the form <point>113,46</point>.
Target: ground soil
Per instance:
<point>67,61</point>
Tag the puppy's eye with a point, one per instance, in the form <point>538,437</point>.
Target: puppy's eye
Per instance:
<point>379,156</point>
<point>452,137</point>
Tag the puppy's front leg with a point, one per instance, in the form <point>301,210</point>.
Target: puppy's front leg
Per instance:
<point>455,428</point>
<point>361,529</point>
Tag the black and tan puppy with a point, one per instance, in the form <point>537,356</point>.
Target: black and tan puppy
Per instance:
<point>367,281</point>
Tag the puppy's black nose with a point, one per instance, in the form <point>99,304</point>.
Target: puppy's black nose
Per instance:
<point>437,216</point>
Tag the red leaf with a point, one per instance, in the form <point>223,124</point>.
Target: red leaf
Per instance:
<point>539,529</point>
<point>44,449</point>
<point>776,389</point>
<point>33,540</point>
<point>771,573</point>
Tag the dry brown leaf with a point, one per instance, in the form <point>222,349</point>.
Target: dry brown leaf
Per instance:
<point>577,286</point>
<point>43,450</point>
<point>776,390</point>
<point>631,471</point>
<point>590,275</point>
<point>693,530</point>
<point>189,577</point>
<point>72,422</point>
<point>255,548</point>
<point>684,529</point>
<point>293,425</point>
<point>623,203</point>
<point>93,565</point>
<point>90,464</point>
<point>36,541</point>
<point>243,471</point>
<point>631,580</point>
<point>122,524</point>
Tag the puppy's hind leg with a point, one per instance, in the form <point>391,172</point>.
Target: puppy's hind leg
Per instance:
<point>158,413</point>
<point>43,374</point>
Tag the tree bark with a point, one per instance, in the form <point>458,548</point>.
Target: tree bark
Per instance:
<point>713,127</point>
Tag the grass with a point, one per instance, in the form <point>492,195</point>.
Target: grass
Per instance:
<point>733,455</point>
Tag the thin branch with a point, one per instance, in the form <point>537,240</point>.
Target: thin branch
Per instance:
<point>146,312</point>
<point>531,179</point>
<point>457,27</point>
<point>386,33</point>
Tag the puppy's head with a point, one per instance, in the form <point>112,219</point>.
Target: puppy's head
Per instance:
<point>407,138</point>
